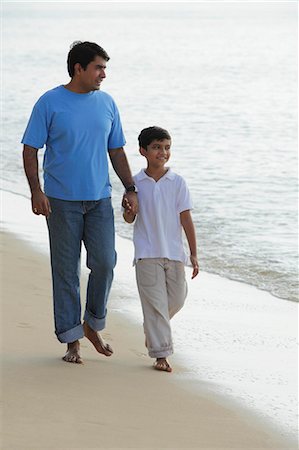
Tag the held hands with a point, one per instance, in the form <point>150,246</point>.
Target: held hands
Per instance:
<point>195,266</point>
<point>130,203</point>
<point>40,204</point>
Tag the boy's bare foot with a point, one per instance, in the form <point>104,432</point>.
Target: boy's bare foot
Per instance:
<point>162,364</point>
<point>96,340</point>
<point>73,353</point>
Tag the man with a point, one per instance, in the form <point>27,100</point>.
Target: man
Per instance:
<point>79,124</point>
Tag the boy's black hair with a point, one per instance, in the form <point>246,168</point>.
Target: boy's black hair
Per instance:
<point>83,53</point>
<point>149,134</point>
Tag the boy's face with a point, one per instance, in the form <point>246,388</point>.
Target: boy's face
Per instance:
<point>157,153</point>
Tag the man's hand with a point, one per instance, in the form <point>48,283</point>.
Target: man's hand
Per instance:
<point>40,204</point>
<point>130,202</point>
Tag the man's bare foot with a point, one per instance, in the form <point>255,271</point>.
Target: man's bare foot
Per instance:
<point>162,364</point>
<point>96,340</point>
<point>73,353</point>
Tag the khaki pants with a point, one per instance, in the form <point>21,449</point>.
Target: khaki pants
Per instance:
<point>163,289</point>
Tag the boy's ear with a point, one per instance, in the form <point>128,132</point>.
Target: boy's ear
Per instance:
<point>142,151</point>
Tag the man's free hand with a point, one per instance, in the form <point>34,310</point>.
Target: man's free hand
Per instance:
<point>40,204</point>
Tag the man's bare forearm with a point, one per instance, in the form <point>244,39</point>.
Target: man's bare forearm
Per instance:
<point>121,166</point>
<point>39,201</point>
<point>122,169</point>
<point>31,168</point>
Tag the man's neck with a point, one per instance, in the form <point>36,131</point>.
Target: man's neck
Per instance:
<point>74,87</point>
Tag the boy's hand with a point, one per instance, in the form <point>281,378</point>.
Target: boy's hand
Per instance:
<point>195,266</point>
<point>130,202</point>
<point>128,214</point>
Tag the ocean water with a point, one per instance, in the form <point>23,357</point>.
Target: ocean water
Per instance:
<point>221,77</point>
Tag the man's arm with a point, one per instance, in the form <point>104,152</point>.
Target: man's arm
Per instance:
<point>187,224</point>
<point>121,166</point>
<point>39,201</point>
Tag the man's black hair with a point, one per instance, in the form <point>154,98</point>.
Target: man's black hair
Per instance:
<point>83,53</point>
<point>149,134</point>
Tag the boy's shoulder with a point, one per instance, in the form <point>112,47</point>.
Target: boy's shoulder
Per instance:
<point>177,176</point>
<point>170,174</point>
<point>139,175</point>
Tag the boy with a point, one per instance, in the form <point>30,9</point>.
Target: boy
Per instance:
<point>164,209</point>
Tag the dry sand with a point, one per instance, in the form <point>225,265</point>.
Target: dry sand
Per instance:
<point>107,403</point>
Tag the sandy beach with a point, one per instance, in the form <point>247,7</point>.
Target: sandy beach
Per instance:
<point>118,402</point>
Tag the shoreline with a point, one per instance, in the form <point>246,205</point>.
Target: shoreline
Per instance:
<point>116,402</point>
<point>6,193</point>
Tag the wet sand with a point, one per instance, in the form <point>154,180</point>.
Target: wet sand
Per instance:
<point>108,403</point>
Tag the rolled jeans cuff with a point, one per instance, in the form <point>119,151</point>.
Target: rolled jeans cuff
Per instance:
<point>71,335</point>
<point>94,323</point>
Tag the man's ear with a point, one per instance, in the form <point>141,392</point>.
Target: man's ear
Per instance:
<point>142,151</point>
<point>77,68</point>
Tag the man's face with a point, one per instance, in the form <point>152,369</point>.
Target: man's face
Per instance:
<point>91,78</point>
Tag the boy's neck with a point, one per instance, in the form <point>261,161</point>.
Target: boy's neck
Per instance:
<point>155,173</point>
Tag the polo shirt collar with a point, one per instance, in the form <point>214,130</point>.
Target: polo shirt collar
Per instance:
<point>142,175</point>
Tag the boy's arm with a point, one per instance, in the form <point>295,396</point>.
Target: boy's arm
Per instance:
<point>187,224</point>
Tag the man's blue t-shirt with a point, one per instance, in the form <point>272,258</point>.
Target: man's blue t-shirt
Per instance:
<point>78,130</point>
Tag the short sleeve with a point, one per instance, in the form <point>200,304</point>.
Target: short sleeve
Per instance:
<point>116,136</point>
<point>36,133</point>
<point>184,201</point>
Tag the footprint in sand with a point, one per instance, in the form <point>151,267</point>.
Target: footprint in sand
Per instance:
<point>24,325</point>
<point>143,355</point>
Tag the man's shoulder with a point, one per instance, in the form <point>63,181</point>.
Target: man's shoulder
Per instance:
<point>57,90</point>
<point>104,95</point>
<point>50,94</point>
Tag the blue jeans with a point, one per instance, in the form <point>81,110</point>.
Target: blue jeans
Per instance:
<point>70,224</point>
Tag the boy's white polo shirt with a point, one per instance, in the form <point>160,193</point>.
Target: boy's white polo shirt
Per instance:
<point>157,228</point>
